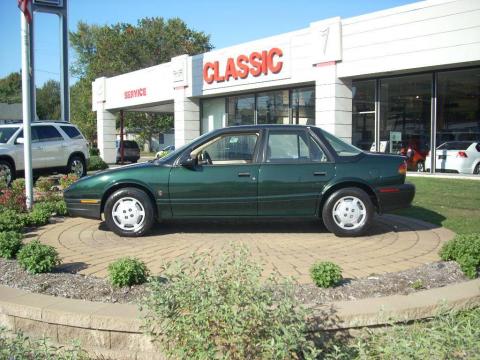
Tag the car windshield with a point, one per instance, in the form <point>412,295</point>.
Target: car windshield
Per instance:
<point>6,133</point>
<point>341,147</point>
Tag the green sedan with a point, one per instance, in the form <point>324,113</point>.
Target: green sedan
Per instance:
<point>275,171</point>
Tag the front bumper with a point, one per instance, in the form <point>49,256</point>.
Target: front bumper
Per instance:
<point>395,197</point>
<point>77,208</point>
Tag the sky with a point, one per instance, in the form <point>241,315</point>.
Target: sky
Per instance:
<point>228,22</point>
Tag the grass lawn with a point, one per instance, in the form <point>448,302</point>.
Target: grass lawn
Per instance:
<point>452,203</point>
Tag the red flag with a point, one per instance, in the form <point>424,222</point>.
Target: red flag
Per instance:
<point>24,6</point>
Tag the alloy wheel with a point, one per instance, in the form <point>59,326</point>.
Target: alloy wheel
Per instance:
<point>128,214</point>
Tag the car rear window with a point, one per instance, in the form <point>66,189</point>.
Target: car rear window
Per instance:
<point>72,132</point>
<point>341,147</point>
<point>455,145</point>
<point>128,144</point>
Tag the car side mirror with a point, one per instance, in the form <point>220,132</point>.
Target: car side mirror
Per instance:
<point>188,161</point>
<point>20,140</point>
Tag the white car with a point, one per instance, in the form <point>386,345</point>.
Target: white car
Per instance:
<point>458,156</point>
<point>56,147</point>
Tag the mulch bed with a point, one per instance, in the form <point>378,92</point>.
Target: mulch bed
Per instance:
<point>78,286</point>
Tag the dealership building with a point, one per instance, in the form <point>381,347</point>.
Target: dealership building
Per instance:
<point>408,76</point>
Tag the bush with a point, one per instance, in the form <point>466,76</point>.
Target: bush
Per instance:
<point>220,308</point>
<point>10,244</point>
<point>38,216</point>
<point>325,274</point>
<point>20,347</point>
<point>127,272</point>
<point>45,184</point>
<point>36,257</point>
<point>14,198</point>
<point>93,151</point>
<point>67,180</point>
<point>53,207</point>
<point>11,220</point>
<point>465,250</point>
<point>97,163</point>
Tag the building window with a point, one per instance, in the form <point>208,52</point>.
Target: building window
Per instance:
<point>405,117</point>
<point>213,114</point>
<point>241,110</point>
<point>363,114</point>
<point>272,107</point>
<point>303,106</point>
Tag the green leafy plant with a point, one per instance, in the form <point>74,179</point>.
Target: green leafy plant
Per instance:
<point>97,163</point>
<point>67,180</point>
<point>10,244</point>
<point>45,184</point>
<point>14,198</point>
<point>127,271</point>
<point>219,307</point>
<point>20,347</point>
<point>93,151</point>
<point>11,220</point>
<point>325,274</point>
<point>465,250</point>
<point>38,216</point>
<point>36,257</point>
<point>417,284</point>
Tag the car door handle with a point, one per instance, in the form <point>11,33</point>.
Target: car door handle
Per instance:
<point>244,174</point>
<point>319,173</point>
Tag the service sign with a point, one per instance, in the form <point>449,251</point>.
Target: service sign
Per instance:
<point>240,66</point>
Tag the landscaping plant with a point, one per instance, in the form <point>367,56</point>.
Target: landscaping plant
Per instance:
<point>36,257</point>
<point>465,250</point>
<point>13,198</point>
<point>325,274</point>
<point>10,244</point>
<point>219,307</point>
<point>11,220</point>
<point>44,184</point>
<point>97,163</point>
<point>127,272</point>
<point>38,216</point>
<point>67,180</point>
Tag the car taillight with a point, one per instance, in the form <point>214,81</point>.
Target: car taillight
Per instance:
<point>402,169</point>
<point>462,154</point>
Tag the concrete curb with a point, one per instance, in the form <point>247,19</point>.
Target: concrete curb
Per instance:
<point>114,330</point>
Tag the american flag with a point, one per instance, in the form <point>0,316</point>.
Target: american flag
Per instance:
<point>24,6</point>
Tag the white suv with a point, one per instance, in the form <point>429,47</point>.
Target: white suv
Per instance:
<point>56,147</point>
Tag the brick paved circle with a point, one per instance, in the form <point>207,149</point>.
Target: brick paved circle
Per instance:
<point>394,243</point>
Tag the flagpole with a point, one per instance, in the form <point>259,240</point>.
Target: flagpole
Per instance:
<point>26,107</point>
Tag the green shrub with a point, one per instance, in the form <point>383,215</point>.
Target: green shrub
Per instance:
<point>39,215</point>
<point>220,308</point>
<point>325,274</point>
<point>96,163</point>
<point>20,347</point>
<point>11,220</point>
<point>44,184</point>
<point>127,271</point>
<point>10,244</point>
<point>465,250</point>
<point>67,180</point>
<point>36,257</point>
<point>58,207</point>
<point>93,151</point>
<point>417,284</point>
<point>14,198</point>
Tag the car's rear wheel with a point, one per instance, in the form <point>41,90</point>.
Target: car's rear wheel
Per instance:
<point>348,212</point>
<point>76,165</point>
<point>129,212</point>
<point>476,171</point>
<point>421,166</point>
<point>7,173</point>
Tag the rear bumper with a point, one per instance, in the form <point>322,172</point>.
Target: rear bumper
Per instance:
<point>88,210</point>
<point>395,197</point>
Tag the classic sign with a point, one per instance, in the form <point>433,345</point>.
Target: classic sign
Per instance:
<point>255,64</point>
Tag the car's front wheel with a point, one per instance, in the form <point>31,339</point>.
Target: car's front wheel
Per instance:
<point>7,173</point>
<point>129,212</point>
<point>348,212</point>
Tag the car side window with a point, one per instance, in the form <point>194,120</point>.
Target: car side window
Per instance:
<point>47,133</point>
<point>316,151</point>
<point>34,135</point>
<point>72,132</point>
<point>227,149</point>
<point>285,146</point>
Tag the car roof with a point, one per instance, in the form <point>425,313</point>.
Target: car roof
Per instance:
<point>262,126</point>
<point>49,122</point>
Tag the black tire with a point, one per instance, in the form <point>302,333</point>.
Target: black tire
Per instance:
<point>8,171</point>
<point>113,203</point>
<point>73,166</point>
<point>364,221</point>
<point>421,166</point>
<point>476,171</point>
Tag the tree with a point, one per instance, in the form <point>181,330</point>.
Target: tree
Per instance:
<point>48,101</point>
<point>11,88</point>
<point>110,50</point>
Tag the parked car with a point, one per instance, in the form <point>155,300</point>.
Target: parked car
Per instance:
<point>56,147</point>
<point>131,151</point>
<point>249,171</point>
<point>415,154</point>
<point>457,156</point>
